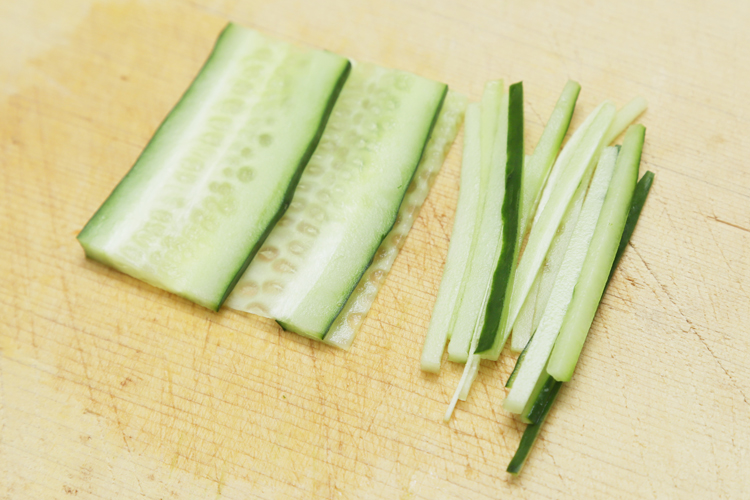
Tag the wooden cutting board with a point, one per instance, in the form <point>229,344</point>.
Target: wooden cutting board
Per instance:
<point>110,388</point>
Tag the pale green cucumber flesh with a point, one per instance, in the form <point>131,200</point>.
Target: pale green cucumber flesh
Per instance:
<point>459,247</point>
<point>347,200</point>
<point>543,340</point>
<point>195,207</point>
<point>532,431</point>
<point>586,146</point>
<point>343,330</point>
<point>537,169</point>
<point>599,259</point>
<point>502,278</point>
<point>482,249</point>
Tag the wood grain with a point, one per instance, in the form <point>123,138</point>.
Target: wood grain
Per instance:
<point>110,388</point>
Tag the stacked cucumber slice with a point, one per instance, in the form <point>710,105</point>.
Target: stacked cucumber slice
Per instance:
<point>350,149</point>
<point>536,245</point>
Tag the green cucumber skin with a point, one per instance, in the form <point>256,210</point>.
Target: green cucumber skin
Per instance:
<point>501,280</point>
<point>143,171</point>
<point>289,194</point>
<point>532,431</point>
<point>320,334</point>
<point>393,221</point>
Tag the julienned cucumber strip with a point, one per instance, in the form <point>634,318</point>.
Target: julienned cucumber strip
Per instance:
<point>599,259</point>
<point>548,394</point>
<point>537,168</point>
<point>496,310</point>
<point>488,231</point>
<point>347,200</point>
<point>543,340</point>
<point>533,307</point>
<point>532,431</point>
<point>345,327</point>
<point>221,168</point>
<point>459,250</point>
<point>636,205</point>
<point>577,157</point>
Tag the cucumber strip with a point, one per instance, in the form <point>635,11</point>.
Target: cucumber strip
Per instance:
<point>624,117</point>
<point>537,169</point>
<point>543,340</point>
<point>347,200</point>
<point>535,303</point>
<point>496,311</point>
<point>459,250</point>
<point>587,146</point>
<point>530,413</point>
<point>521,333</point>
<point>532,432</point>
<point>636,205</point>
<point>488,230</point>
<point>220,170</point>
<point>345,327</point>
<point>599,259</point>
<point>534,306</point>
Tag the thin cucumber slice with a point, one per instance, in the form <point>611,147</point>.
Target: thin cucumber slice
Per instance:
<point>599,259</point>
<point>347,200</point>
<point>587,147</point>
<point>543,339</point>
<point>535,304</point>
<point>492,335</point>
<point>221,168</point>
<point>488,230</point>
<point>459,250</point>
<point>345,327</point>
<point>524,326</point>
<point>636,205</point>
<point>537,169</point>
<point>624,117</point>
<point>537,401</point>
<point>532,432</point>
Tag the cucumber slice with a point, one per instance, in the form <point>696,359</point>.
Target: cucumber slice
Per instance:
<point>537,169</point>
<point>543,340</point>
<point>345,327</point>
<point>546,397</point>
<point>599,259</point>
<point>459,250</point>
<point>575,160</point>
<point>533,309</point>
<point>636,205</point>
<point>488,229</point>
<point>532,431</point>
<point>624,117</point>
<point>346,202</point>
<point>492,336</point>
<point>220,170</point>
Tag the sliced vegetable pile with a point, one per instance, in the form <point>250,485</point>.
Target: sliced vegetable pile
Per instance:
<point>534,244</point>
<point>351,149</point>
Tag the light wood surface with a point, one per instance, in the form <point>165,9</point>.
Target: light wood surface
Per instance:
<point>110,388</point>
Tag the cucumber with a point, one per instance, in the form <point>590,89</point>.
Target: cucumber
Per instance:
<point>599,259</point>
<point>541,344</point>
<point>459,251</point>
<point>576,159</point>
<point>492,336</point>
<point>532,431</point>
<point>546,397</point>
<point>345,327</point>
<point>488,225</point>
<point>346,202</point>
<point>220,170</point>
